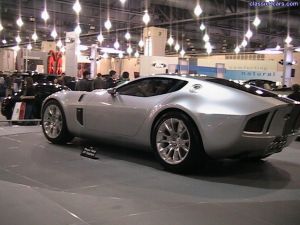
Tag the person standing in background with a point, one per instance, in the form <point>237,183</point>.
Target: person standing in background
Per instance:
<point>17,85</point>
<point>111,80</point>
<point>84,84</point>
<point>99,82</point>
<point>124,77</point>
<point>296,93</point>
<point>9,90</point>
<point>29,97</point>
<point>3,88</point>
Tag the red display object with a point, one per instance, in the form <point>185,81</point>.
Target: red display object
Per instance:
<point>54,62</point>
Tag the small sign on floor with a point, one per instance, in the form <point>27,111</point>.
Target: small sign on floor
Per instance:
<point>89,152</point>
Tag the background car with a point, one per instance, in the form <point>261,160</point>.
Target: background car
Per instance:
<point>183,119</point>
<point>271,86</point>
<point>42,90</point>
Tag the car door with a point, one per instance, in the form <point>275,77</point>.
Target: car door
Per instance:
<point>124,113</point>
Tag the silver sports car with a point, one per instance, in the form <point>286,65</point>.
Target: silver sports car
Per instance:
<point>183,119</point>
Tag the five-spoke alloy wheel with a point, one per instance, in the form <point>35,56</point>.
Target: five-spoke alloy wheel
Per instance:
<point>176,142</point>
<point>54,123</point>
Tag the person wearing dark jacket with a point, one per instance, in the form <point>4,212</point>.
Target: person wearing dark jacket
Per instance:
<point>111,82</point>
<point>124,78</point>
<point>99,82</point>
<point>84,84</point>
<point>296,93</point>
<point>2,88</point>
<point>29,98</point>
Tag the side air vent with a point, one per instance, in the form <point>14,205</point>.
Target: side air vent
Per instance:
<point>81,97</point>
<point>256,124</point>
<point>79,115</point>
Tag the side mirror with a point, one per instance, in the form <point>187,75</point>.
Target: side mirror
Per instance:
<point>112,91</point>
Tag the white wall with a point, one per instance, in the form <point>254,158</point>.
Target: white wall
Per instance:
<point>255,65</point>
<point>277,58</point>
<point>7,60</point>
<point>147,62</point>
<point>270,63</point>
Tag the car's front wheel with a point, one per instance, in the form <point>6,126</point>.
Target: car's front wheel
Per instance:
<point>54,123</point>
<point>176,142</point>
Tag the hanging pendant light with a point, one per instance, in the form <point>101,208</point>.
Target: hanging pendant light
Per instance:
<point>78,29</point>
<point>170,41</point>
<point>127,35</point>
<point>19,22</point>
<point>136,54</point>
<point>107,24</point>
<point>206,37</point>
<point>116,44</point>
<point>18,39</point>
<point>59,43</point>
<point>29,47</point>
<point>237,50</point>
<point>1,27</point>
<point>249,34</point>
<point>288,39</point>
<point>129,50</point>
<point>45,15</point>
<point>209,50</point>
<point>54,33</point>
<point>198,10</point>
<point>256,21</point>
<point>34,36</point>
<point>121,55</point>
<point>141,43</point>
<point>77,7</point>
<point>177,47</point>
<point>146,18</point>
<point>100,38</point>
<point>4,41</point>
<point>182,53</point>
<point>207,45</point>
<point>202,27</point>
<point>244,43</point>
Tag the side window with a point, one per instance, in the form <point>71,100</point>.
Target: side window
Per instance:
<point>151,87</point>
<point>136,88</point>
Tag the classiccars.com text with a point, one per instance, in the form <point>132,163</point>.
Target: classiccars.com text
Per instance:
<point>274,4</point>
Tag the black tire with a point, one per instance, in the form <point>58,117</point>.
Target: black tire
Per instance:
<point>64,135</point>
<point>194,157</point>
<point>255,159</point>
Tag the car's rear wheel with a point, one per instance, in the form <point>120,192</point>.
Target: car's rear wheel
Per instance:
<point>54,123</point>
<point>176,142</point>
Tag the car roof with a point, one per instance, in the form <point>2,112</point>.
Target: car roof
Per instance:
<point>187,77</point>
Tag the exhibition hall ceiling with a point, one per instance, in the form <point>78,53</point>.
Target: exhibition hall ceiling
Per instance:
<point>226,22</point>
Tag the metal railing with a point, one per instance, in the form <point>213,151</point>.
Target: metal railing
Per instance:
<point>24,121</point>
